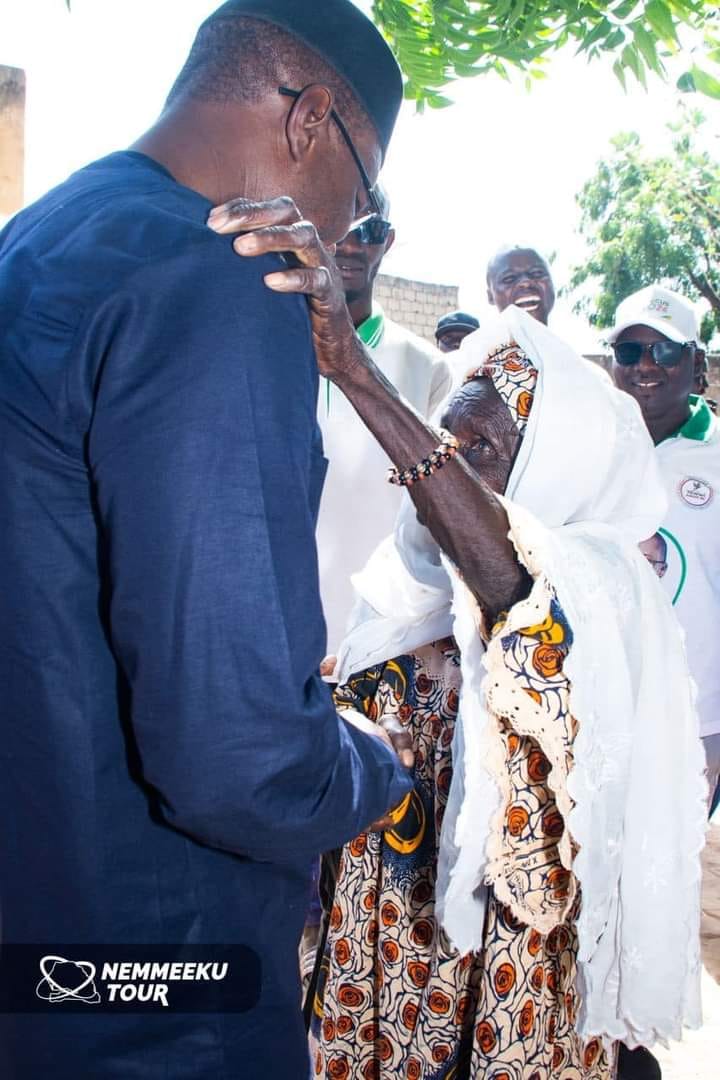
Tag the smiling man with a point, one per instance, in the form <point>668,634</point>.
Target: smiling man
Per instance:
<point>519,275</point>
<point>657,361</point>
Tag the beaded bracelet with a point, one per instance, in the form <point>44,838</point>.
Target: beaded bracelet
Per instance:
<point>447,449</point>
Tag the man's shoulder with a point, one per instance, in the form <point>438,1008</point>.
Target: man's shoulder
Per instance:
<point>682,450</point>
<point>117,226</point>
<point>398,336</point>
<point>691,470</point>
<point>111,211</point>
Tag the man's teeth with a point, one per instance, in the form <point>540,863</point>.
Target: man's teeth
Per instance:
<point>527,301</point>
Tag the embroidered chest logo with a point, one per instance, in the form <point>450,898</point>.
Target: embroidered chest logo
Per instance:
<point>694,492</point>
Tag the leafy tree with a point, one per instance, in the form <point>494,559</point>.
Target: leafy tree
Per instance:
<point>649,219</point>
<point>439,40</point>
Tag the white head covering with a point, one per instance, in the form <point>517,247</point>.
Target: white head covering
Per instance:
<point>590,459</point>
<point>583,492</point>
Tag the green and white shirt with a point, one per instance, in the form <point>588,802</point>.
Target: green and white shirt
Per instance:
<point>690,464</point>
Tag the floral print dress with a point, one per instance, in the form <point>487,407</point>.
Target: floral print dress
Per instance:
<point>394,1001</point>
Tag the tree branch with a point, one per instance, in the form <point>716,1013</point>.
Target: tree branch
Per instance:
<point>705,289</point>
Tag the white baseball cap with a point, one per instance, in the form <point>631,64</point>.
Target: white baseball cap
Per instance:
<point>660,309</point>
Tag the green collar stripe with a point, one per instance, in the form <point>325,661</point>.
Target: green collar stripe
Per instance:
<point>371,331</point>
<point>700,423</point>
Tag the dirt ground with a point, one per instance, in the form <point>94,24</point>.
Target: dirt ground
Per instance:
<point>697,1057</point>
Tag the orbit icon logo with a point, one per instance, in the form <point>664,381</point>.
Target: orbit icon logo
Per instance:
<point>67,980</point>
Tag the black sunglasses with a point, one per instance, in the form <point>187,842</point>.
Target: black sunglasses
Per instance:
<point>372,231</point>
<point>664,353</point>
<point>373,202</point>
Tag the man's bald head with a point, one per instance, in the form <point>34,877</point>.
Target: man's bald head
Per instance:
<point>520,275</point>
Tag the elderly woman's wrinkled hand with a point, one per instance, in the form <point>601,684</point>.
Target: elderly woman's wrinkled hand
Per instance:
<point>277,226</point>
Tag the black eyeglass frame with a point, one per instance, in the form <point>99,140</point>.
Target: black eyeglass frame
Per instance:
<point>375,208</point>
<point>651,347</point>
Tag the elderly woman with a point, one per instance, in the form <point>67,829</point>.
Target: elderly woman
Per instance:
<point>505,919</point>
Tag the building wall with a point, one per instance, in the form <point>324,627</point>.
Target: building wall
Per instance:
<point>12,138</point>
<point>416,305</point>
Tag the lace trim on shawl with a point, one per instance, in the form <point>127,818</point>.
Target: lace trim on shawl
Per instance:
<point>510,702</point>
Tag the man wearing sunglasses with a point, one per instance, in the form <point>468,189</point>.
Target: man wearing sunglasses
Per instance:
<point>657,361</point>
<point>357,510</point>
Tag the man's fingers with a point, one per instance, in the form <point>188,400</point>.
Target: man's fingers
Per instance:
<point>401,741</point>
<point>239,214</point>
<point>300,238</point>
<point>315,283</point>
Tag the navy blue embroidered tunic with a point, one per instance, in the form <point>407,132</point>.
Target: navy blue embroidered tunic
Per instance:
<point>170,760</point>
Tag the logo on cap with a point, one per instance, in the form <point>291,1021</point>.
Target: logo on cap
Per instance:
<point>661,307</point>
<point>697,493</point>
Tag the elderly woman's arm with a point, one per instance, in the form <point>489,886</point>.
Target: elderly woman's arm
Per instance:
<point>460,509</point>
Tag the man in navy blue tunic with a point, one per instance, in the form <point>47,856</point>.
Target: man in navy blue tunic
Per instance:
<point>170,759</point>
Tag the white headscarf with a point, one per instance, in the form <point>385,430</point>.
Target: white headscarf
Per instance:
<point>583,492</point>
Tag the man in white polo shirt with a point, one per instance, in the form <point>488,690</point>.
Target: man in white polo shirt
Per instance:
<point>358,507</point>
<point>656,361</point>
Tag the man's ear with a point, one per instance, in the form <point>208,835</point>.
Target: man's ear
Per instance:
<point>308,120</point>
<point>699,362</point>
<point>390,240</point>
<point>490,297</point>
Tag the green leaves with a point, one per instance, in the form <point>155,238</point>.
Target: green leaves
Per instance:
<point>661,21</point>
<point>651,219</point>
<point>704,82</point>
<point>436,40</point>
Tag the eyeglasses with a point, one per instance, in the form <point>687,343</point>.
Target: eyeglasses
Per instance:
<point>664,353</point>
<point>373,201</point>
<point>373,231</point>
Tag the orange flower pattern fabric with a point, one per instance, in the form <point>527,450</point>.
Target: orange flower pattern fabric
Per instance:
<point>394,1002</point>
<point>514,378</point>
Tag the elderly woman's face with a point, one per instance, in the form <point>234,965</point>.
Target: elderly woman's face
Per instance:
<point>489,440</point>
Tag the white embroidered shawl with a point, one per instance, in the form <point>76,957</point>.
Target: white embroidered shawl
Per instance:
<point>583,492</point>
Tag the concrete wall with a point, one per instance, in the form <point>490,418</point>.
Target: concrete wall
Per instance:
<point>416,305</point>
<point>12,138</point>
